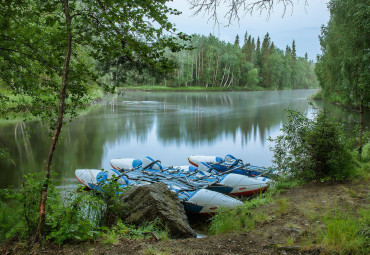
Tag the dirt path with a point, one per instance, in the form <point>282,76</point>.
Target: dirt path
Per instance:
<point>290,219</point>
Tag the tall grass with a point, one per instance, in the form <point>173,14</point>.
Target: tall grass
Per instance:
<point>241,218</point>
<point>122,230</point>
<point>345,233</point>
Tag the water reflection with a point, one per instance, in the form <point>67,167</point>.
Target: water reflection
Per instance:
<point>167,126</point>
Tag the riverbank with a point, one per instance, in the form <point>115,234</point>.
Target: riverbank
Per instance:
<point>17,109</point>
<point>316,218</point>
<point>336,100</point>
<point>193,89</point>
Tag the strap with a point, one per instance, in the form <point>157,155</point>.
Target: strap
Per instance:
<point>151,164</point>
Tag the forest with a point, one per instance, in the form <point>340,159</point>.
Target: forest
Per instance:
<point>255,64</point>
<point>343,67</point>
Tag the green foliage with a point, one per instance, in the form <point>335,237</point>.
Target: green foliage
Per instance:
<point>47,54</point>
<point>346,234</point>
<point>33,46</point>
<point>214,63</point>
<point>74,217</point>
<point>23,205</point>
<point>71,216</point>
<point>313,149</point>
<point>109,192</point>
<point>246,216</point>
<point>241,218</point>
<point>4,153</point>
<point>122,230</point>
<point>283,206</point>
<point>343,67</point>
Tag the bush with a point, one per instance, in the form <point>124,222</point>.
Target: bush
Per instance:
<point>18,216</point>
<point>313,149</point>
<point>69,216</point>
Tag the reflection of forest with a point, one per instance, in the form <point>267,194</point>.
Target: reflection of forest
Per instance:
<point>183,118</point>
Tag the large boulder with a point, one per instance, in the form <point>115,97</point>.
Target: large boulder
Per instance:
<point>147,203</point>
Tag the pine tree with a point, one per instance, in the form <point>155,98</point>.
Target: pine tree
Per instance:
<point>265,49</point>
<point>288,51</point>
<point>265,53</point>
<point>252,50</point>
<point>294,53</point>
<point>247,49</point>
<point>272,47</point>
<point>237,41</point>
<point>258,47</point>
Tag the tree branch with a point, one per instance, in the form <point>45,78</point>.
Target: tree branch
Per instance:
<point>236,8</point>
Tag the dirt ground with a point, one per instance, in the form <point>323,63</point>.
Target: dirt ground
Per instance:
<point>278,234</point>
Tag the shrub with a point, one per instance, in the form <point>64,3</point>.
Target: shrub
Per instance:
<point>18,216</point>
<point>69,216</point>
<point>313,149</point>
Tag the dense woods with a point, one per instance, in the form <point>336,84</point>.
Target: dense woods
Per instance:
<point>343,67</point>
<point>256,64</point>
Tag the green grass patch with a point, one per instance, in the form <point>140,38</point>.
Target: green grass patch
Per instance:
<point>344,233</point>
<point>122,230</point>
<point>150,250</point>
<point>242,218</point>
<point>283,206</point>
<point>245,217</point>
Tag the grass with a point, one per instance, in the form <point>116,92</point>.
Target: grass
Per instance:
<point>122,230</point>
<point>341,233</point>
<point>150,250</point>
<point>242,218</point>
<point>329,224</point>
<point>245,217</point>
<point>283,206</point>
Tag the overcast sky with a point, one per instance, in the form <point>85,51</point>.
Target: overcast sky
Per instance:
<point>303,25</point>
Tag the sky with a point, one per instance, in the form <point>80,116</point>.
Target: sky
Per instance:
<point>301,24</point>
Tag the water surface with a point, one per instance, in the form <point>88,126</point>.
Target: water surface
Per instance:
<point>169,126</point>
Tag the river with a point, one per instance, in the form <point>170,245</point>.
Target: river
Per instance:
<point>169,126</point>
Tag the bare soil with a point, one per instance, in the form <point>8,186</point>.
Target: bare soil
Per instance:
<point>290,218</point>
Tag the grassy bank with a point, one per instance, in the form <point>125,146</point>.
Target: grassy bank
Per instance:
<point>328,217</point>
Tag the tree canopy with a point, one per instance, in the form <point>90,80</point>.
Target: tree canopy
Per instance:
<point>215,63</point>
<point>343,67</point>
<point>47,51</point>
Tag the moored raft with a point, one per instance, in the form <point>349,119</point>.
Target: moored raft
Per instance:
<point>195,198</point>
<point>230,184</point>
<point>231,164</point>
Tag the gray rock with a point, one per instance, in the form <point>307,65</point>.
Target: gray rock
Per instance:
<point>147,203</point>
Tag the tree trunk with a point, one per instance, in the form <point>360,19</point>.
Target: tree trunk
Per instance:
<point>215,73</point>
<point>361,127</point>
<point>58,127</point>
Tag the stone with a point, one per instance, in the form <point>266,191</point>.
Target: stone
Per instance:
<point>155,201</point>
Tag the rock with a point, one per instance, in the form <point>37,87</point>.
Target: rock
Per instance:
<point>147,203</point>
